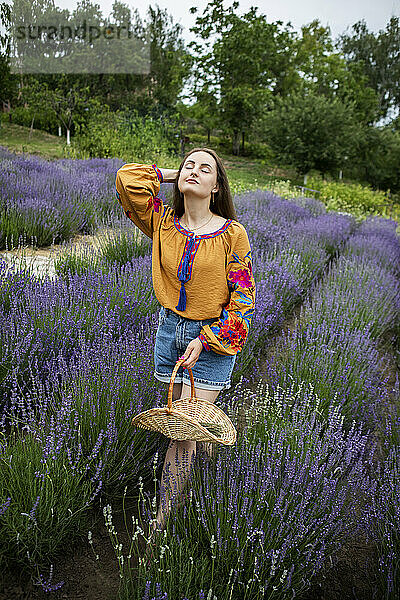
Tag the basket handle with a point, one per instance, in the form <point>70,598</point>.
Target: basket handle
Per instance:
<point>171,383</point>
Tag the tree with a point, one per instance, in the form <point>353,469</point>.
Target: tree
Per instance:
<point>66,103</point>
<point>326,72</point>
<point>310,131</point>
<point>378,56</point>
<point>244,64</point>
<point>8,86</point>
<point>205,110</point>
<point>170,61</point>
<point>379,157</point>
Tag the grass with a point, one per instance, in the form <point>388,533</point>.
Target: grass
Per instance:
<point>16,138</point>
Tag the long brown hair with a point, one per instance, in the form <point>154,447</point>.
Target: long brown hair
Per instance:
<point>223,203</point>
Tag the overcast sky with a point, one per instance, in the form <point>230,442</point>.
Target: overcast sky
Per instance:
<point>338,14</point>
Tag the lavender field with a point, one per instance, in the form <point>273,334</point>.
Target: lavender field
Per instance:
<point>315,398</point>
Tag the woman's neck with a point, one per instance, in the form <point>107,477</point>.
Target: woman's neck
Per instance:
<point>195,217</point>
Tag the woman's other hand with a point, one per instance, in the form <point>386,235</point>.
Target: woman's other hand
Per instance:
<point>192,353</point>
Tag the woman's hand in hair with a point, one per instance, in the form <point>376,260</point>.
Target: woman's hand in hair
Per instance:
<point>192,353</point>
<point>169,175</point>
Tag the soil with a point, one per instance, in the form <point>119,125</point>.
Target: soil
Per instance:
<point>85,577</point>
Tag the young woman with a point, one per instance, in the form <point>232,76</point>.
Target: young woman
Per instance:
<point>203,279</point>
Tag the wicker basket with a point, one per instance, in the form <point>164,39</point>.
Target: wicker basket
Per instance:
<point>191,418</point>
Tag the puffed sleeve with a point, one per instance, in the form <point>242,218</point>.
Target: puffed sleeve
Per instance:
<point>228,334</point>
<point>137,186</point>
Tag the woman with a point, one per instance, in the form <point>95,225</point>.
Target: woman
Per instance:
<point>202,277</point>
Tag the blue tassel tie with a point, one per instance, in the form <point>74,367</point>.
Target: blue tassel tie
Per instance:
<point>182,298</point>
<point>184,276</point>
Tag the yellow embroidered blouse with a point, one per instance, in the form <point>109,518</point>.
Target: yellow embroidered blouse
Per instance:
<point>196,276</point>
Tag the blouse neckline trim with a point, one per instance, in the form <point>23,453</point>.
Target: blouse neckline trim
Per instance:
<point>180,228</point>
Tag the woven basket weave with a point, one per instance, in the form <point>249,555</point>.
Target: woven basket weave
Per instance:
<point>191,418</point>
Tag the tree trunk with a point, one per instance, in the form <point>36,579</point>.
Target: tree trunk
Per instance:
<point>243,142</point>
<point>208,136</point>
<point>235,143</point>
<point>182,143</point>
<point>59,131</point>
<point>68,138</point>
<point>30,131</point>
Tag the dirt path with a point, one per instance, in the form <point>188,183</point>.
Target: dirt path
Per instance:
<point>41,260</point>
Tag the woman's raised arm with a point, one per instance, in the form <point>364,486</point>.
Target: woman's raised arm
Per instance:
<point>137,186</point>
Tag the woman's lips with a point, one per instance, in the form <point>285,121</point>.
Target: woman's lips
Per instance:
<point>191,181</point>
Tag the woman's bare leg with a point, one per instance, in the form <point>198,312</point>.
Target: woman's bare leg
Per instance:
<point>181,451</point>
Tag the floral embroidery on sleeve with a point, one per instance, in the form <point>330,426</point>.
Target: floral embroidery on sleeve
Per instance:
<point>228,335</point>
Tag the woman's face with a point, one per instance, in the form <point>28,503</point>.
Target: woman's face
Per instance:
<point>200,168</point>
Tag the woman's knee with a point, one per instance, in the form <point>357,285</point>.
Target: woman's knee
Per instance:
<point>182,445</point>
<point>186,445</point>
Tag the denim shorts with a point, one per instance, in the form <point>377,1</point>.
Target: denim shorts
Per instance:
<point>212,371</point>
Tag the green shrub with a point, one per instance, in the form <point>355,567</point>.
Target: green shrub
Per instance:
<point>201,139</point>
<point>350,197</point>
<point>43,119</point>
<point>123,135</point>
<point>260,150</point>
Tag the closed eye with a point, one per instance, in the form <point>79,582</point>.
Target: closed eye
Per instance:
<point>205,169</point>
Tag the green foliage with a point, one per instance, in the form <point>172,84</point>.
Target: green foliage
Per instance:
<point>312,132</point>
<point>42,118</point>
<point>378,56</point>
<point>379,157</point>
<point>327,73</point>
<point>218,143</point>
<point>127,136</point>
<point>170,62</point>
<point>242,40</point>
<point>255,149</point>
<point>354,198</point>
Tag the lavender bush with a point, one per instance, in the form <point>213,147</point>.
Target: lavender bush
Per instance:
<point>333,343</point>
<point>383,524</point>
<point>359,292</point>
<point>263,518</point>
<point>68,439</point>
<point>291,246</point>
<point>76,363</point>
<point>49,201</point>
<point>47,322</point>
<point>118,245</point>
<point>44,479</point>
